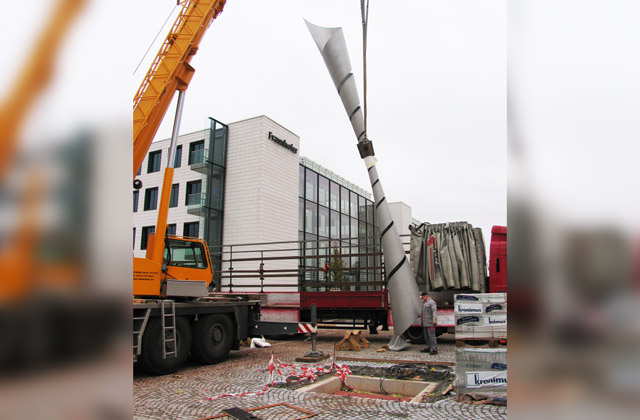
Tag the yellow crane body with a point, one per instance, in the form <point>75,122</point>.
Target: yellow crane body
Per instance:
<point>170,261</point>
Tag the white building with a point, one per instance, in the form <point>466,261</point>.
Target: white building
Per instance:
<point>245,183</point>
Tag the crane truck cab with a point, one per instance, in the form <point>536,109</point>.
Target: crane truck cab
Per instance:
<point>186,269</point>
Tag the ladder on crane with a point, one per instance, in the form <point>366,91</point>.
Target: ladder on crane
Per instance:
<point>169,344</point>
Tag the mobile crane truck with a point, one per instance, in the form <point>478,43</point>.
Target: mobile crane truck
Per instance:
<point>174,315</point>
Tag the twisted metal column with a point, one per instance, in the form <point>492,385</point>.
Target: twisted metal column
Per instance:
<point>403,290</point>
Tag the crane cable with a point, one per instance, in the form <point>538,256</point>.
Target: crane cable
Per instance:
<point>156,37</point>
<point>364,11</point>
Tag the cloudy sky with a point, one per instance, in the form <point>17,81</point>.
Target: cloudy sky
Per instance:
<point>436,92</point>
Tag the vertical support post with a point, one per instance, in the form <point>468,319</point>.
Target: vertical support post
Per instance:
<point>167,182</point>
<point>231,268</point>
<point>314,322</point>
<point>261,271</point>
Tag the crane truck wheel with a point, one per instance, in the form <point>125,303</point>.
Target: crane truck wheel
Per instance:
<point>414,334</point>
<point>212,338</point>
<point>151,360</point>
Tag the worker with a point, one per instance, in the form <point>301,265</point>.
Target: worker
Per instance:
<point>429,320</point>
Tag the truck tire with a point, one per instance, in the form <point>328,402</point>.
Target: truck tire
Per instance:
<point>151,360</point>
<point>212,338</point>
<point>414,334</point>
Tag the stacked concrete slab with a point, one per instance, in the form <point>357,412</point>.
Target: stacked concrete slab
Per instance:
<point>481,316</point>
<point>481,354</point>
<point>481,373</point>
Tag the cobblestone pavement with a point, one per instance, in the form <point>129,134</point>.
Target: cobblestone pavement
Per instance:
<point>181,396</point>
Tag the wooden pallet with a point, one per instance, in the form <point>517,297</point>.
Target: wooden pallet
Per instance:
<point>480,343</point>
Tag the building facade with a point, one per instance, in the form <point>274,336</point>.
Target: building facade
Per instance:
<point>243,187</point>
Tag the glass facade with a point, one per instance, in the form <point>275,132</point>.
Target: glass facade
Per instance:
<point>334,223</point>
<point>215,160</point>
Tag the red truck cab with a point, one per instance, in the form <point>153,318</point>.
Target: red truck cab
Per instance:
<point>498,260</point>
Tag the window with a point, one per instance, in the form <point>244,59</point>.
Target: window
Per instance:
<point>146,231</point>
<point>353,204</point>
<point>344,200</point>
<point>362,209</point>
<point>344,226</point>
<point>354,230</point>
<point>335,196</point>
<point>323,221</point>
<point>191,230</point>
<point>301,214</point>
<point>311,186</point>
<point>335,224</point>
<point>194,189</point>
<point>173,201</point>
<point>311,217</point>
<point>185,254</point>
<point>171,229</point>
<point>153,165</point>
<point>362,229</point>
<point>196,152</point>
<point>136,195</point>
<point>134,238</point>
<point>177,162</point>
<point>323,191</point>
<point>301,181</point>
<point>139,170</point>
<point>151,198</point>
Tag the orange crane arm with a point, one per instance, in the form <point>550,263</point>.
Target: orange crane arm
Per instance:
<point>170,71</point>
<point>33,78</point>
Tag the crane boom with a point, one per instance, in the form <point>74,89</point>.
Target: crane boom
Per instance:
<point>161,272</point>
<point>170,71</point>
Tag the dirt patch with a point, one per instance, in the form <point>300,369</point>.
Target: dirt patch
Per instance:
<point>442,375</point>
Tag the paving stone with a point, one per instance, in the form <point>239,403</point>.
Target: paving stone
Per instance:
<point>181,396</point>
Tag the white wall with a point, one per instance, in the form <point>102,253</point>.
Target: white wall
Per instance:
<point>261,193</point>
<point>182,175</point>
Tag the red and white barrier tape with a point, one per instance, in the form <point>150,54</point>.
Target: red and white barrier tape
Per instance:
<point>288,370</point>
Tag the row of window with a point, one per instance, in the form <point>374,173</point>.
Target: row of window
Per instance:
<point>319,189</point>
<point>319,220</point>
<point>193,195</point>
<point>335,219</point>
<point>190,229</point>
<point>196,155</point>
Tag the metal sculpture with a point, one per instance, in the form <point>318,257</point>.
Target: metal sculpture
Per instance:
<point>403,290</point>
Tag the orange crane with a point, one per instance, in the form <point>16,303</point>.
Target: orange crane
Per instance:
<point>174,266</point>
<point>19,267</point>
<point>173,316</point>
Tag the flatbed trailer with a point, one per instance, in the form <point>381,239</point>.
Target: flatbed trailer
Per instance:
<point>335,308</point>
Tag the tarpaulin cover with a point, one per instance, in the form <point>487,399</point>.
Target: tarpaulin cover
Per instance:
<point>448,256</point>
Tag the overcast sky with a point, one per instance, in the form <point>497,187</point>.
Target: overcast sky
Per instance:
<point>436,87</point>
<point>436,92</point>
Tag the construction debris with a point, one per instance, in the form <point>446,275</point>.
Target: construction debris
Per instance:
<point>352,341</point>
<point>259,342</point>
